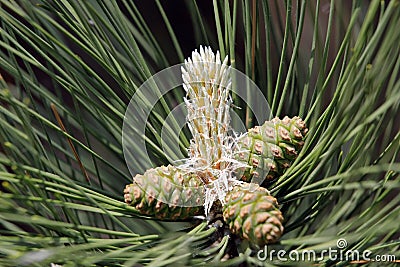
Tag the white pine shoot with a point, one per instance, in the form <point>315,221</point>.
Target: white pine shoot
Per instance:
<point>207,83</point>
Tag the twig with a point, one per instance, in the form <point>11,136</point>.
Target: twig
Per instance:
<point>71,145</point>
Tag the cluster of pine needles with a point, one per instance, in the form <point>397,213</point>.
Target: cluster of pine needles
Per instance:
<point>69,68</point>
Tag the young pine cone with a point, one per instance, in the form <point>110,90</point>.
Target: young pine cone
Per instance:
<point>271,148</point>
<point>166,193</point>
<point>253,214</point>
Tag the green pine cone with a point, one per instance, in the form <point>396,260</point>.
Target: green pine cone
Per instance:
<point>271,148</point>
<point>253,214</point>
<point>159,192</point>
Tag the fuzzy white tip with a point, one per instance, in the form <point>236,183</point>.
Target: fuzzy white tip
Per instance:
<point>207,83</point>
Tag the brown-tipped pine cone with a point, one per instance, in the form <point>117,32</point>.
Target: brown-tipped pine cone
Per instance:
<point>253,214</point>
<point>271,148</point>
<point>166,193</point>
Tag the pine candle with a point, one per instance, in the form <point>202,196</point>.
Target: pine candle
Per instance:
<point>220,165</point>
